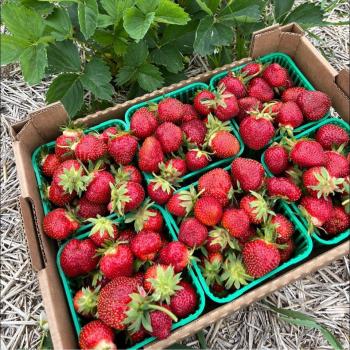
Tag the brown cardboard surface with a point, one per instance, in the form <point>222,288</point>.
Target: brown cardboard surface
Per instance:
<point>42,127</point>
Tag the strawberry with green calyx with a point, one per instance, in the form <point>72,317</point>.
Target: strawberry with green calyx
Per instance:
<point>151,273</point>
<point>58,196</point>
<point>211,246</point>
<point>331,135</point>
<point>220,236</point>
<point>313,104</point>
<point>235,84</point>
<point>150,155</point>
<point>89,148</point>
<point>234,272</point>
<point>160,190</point>
<point>192,233</point>
<point>184,302</point>
<point>71,133</point>
<point>208,210</point>
<point>98,279</point>
<point>181,203</point>
<point>146,218</point>
<point>197,159</point>
<point>211,268</point>
<point>319,183</point>
<point>143,123</point>
<point>96,335</point>
<point>146,244</point>
<point>126,173</point>
<point>252,69</point>
<point>103,230</point>
<point>85,301</point>
<point>122,147</point>
<point>214,124</point>
<point>194,131</point>
<point>173,169</point>
<point>246,105</point>
<point>260,89</point>
<point>200,102</point>
<point>277,159</point>
<point>176,254</point>
<point>279,228</point>
<point>107,133</point>
<point>49,163</point>
<point>289,117</point>
<point>338,222</point>
<point>284,188</point>
<point>337,164</point>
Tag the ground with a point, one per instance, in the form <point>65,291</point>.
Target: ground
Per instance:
<point>324,294</point>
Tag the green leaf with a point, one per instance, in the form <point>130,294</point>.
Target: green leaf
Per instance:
<point>243,11</point>
<point>136,54</point>
<point>125,75</point>
<point>60,22</point>
<point>43,8</point>
<point>147,6</point>
<point>213,4</point>
<point>149,77</point>
<point>68,89</point>
<point>88,14</point>
<point>104,21</point>
<point>96,78</point>
<point>11,48</point>
<point>201,339</point>
<point>136,23</point>
<point>63,56</point>
<point>33,62</point>
<point>116,8</point>
<point>282,7</point>
<point>307,15</point>
<point>204,7</point>
<point>172,78</point>
<point>171,13</point>
<point>169,57</point>
<point>211,34</point>
<point>291,313</point>
<point>332,340</point>
<point>120,42</point>
<point>103,37</point>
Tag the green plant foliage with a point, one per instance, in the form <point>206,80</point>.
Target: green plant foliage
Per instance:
<point>98,46</point>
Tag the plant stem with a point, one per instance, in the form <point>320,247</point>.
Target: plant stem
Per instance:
<point>163,309</point>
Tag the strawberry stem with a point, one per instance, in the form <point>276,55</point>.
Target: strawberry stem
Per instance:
<point>163,309</point>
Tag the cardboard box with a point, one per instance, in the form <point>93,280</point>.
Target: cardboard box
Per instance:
<point>42,126</point>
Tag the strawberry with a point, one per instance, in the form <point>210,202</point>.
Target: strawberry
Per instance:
<point>192,232</point>
<point>246,105</point>
<point>234,272</point>
<point>223,144</point>
<point>150,155</point>
<point>85,301</point>
<point>277,159</point>
<point>189,110</point>
<point>146,245</point>
<point>248,173</point>
<point>175,254</point>
<point>128,173</point>
<point>211,268</point>
<point>287,252</point>
<point>87,209</point>
<point>208,210</point>
<point>170,137</point>
<point>143,123</point>
<point>151,275</point>
<point>184,302</point>
<point>126,197</point>
<point>122,147</point>
<point>282,187</point>
<point>57,195</point>
<point>292,93</point>
<point>216,183</point>
<point>182,202</point>
<point>236,222</point>
<point>103,230</point>
<point>316,210</point>
<point>195,131</point>
<point>64,143</point>
<point>78,257</point>
<point>170,110</point>
<point>260,257</point>
<point>275,75</point>
<point>307,154</point>
<point>140,276</point>
<point>161,324</point>
<point>273,107</point>
<point>289,82</point>
<point>138,336</point>
<point>211,246</point>
<point>59,224</point>
<point>336,164</point>
<point>282,227</point>
<point>252,69</point>
<point>160,190</point>
<point>174,168</point>
<point>289,115</point>
<point>256,207</point>
<point>234,85</point>
<point>90,148</point>
<point>127,235</point>
<point>107,133</point>
<point>338,222</point>
<point>49,163</point>
<point>225,106</point>
<point>313,104</point>
<point>331,135</point>
<point>260,89</point>
<point>99,189</point>
<point>96,335</point>
<point>200,102</point>
<point>196,159</point>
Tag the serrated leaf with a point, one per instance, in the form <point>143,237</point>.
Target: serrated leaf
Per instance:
<point>33,62</point>
<point>68,89</point>
<point>125,75</point>
<point>282,7</point>
<point>136,54</point>
<point>40,7</point>
<point>103,37</point>
<point>149,77</point>
<point>96,78</point>
<point>171,13</point>
<point>11,48</point>
<point>63,56</point>
<point>171,78</point>
<point>116,8</point>
<point>104,21</point>
<point>137,23</point>
<point>204,7</point>
<point>169,57</point>
<point>243,11</point>
<point>60,23</point>
<point>306,15</point>
<point>147,6</point>
<point>210,35</point>
<point>87,15</point>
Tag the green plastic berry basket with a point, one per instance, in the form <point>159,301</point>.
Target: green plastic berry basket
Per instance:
<point>285,61</point>
<point>186,94</point>
<point>41,179</point>
<point>303,244</point>
<point>79,321</point>
<point>310,133</point>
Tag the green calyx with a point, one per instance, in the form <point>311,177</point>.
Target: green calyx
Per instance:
<point>268,232</point>
<point>96,277</point>
<point>169,173</point>
<point>261,208</point>
<point>87,303</point>
<point>309,220</point>
<point>265,113</point>
<point>101,225</point>
<point>188,199</point>
<point>296,175</point>
<point>109,248</point>
<point>140,216</point>
<point>120,174</point>
<point>222,237</point>
<point>161,183</point>
<point>165,285</point>
<point>74,180</point>
<point>211,272</point>
<point>213,126</point>
<point>234,273</point>
<point>119,197</point>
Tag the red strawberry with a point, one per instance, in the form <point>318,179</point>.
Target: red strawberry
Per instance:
<point>336,164</point>
<point>175,254</point>
<point>146,245</point>
<point>196,159</point>
<point>307,153</point>
<point>170,137</point>
<point>122,148</point>
<point>87,209</point>
<point>96,335</point>
<point>150,155</point>
<point>140,276</point>
<point>170,110</point>
<point>90,147</point>
<point>85,301</point>
<point>127,235</point>
<point>287,252</point>
<point>192,232</point>
<point>151,274</point>
<point>256,207</point>
<point>274,107</point>
<point>260,257</point>
<point>200,102</point>
<point>161,324</point>
<point>252,69</point>
<point>107,133</point>
<point>64,143</point>
<point>57,195</point>
<point>78,257</point>
<point>184,302</point>
<point>276,158</point>
<point>313,104</point>
<point>128,173</point>
<point>195,131</point>
<point>338,222</point>
<point>182,202</point>
<point>283,227</point>
<point>226,106</point>
<point>234,85</point>
<point>49,163</point>
<point>99,189</point>
<point>160,190</point>
<point>138,336</point>
<point>211,246</point>
<point>208,210</point>
<point>174,168</point>
<point>275,75</point>
<point>59,224</point>
<point>103,230</point>
<point>316,210</point>
<point>291,94</point>
<point>282,187</point>
<point>289,115</point>
<point>246,105</point>
<point>189,110</point>
<point>223,144</point>
<point>331,135</point>
<point>248,173</point>
<point>260,89</point>
<point>236,222</point>
<point>143,123</point>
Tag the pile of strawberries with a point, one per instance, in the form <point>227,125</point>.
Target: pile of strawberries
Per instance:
<point>128,278</point>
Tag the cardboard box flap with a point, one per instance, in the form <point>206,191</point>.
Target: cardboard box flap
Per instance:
<point>343,81</point>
